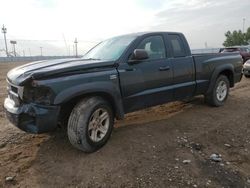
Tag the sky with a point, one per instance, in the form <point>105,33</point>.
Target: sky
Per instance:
<point>54,24</point>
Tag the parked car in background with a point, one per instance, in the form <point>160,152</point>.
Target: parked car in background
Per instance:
<point>243,50</point>
<point>246,69</point>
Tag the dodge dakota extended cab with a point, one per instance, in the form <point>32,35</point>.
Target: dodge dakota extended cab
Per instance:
<point>119,75</point>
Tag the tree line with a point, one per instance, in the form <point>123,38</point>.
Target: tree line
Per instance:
<point>237,38</point>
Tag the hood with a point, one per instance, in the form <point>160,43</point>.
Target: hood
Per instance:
<point>47,68</point>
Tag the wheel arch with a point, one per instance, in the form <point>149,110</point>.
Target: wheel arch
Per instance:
<point>227,70</point>
<point>230,75</point>
<point>69,98</point>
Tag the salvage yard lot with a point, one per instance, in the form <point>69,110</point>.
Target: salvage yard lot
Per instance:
<point>146,149</point>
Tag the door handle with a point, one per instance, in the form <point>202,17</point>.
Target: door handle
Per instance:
<point>164,68</point>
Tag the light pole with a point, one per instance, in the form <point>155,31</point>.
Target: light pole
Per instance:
<point>41,48</point>
<point>14,47</point>
<point>4,31</point>
<point>76,47</point>
<point>205,44</point>
<point>243,25</point>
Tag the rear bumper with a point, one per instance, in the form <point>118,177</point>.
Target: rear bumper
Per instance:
<point>32,118</point>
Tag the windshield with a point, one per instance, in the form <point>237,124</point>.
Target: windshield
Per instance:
<point>110,49</point>
<point>244,49</point>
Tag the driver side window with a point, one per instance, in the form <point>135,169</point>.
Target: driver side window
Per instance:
<point>154,45</point>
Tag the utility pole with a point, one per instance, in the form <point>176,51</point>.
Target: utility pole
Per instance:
<point>4,31</point>
<point>14,47</point>
<point>41,48</point>
<point>205,44</point>
<point>76,47</point>
<point>243,26</point>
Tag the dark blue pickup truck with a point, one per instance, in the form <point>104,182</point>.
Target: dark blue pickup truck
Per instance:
<point>119,75</point>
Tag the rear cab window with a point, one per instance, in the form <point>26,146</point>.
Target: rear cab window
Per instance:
<point>177,45</point>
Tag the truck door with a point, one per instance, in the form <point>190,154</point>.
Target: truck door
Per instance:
<point>183,67</point>
<point>148,82</point>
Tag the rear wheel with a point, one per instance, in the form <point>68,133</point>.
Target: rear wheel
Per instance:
<point>90,124</point>
<point>219,93</point>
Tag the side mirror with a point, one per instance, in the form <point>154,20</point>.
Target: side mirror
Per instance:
<point>139,54</point>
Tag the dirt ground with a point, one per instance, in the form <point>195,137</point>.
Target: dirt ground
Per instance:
<point>147,149</point>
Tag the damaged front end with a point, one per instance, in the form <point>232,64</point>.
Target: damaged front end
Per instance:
<point>30,108</point>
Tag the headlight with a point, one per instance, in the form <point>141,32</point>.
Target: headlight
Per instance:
<point>38,94</point>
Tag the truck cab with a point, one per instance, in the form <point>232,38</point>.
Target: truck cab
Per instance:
<point>164,76</point>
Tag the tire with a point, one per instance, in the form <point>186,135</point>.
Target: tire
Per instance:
<point>247,76</point>
<point>90,124</point>
<point>219,93</point>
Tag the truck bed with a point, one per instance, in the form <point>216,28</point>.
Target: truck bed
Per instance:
<point>207,63</point>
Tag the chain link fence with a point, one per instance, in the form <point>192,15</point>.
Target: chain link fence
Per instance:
<point>29,59</point>
<point>35,48</point>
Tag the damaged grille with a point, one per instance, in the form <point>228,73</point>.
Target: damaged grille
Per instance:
<point>15,93</point>
<point>14,89</point>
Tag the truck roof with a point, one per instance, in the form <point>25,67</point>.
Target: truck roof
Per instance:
<point>150,32</point>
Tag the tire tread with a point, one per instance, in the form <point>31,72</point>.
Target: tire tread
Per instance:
<point>78,121</point>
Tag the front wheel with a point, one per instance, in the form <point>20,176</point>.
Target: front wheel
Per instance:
<point>90,124</point>
<point>219,93</point>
